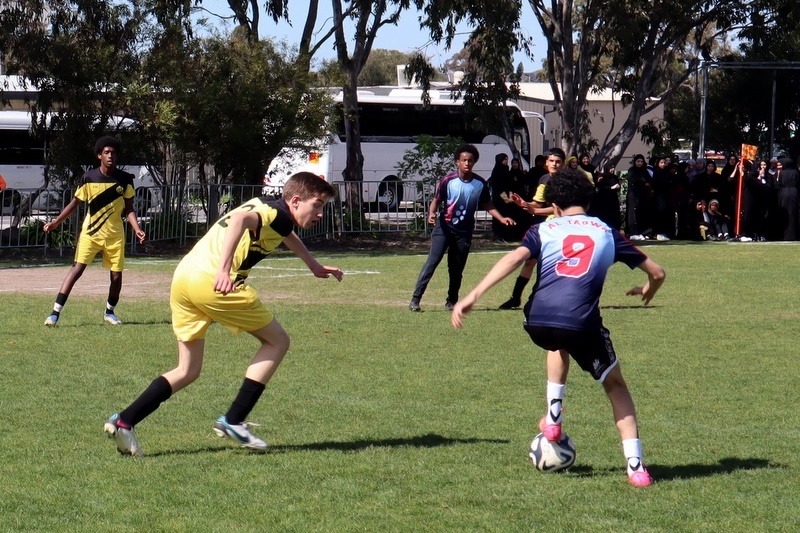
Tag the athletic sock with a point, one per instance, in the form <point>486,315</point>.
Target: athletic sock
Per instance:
<point>109,309</point>
<point>61,299</point>
<point>555,400</point>
<point>154,395</point>
<point>519,287</point>
<point>245,400</point>
<point>632,448</point>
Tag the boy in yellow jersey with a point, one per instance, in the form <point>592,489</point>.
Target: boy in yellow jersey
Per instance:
<point>209,286</point>
<point>108,192</point>
<point>538,207</point>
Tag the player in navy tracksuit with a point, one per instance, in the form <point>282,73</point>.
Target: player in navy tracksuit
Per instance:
<point>458,195</point>
<point>574,252</point>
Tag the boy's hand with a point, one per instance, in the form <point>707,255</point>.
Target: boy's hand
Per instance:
<point>517,199</point>
<point>326,272</point>
<point>461,309</point>
<point>223,283</point>
<point>647,295</point>
<point>140,235</point>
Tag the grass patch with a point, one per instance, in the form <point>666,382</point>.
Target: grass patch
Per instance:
<point>384,420</point>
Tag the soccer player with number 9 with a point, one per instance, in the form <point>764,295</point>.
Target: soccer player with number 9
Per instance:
<point>574,252</point>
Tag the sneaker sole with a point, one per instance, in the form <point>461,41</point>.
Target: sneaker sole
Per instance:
<point>220,431</point>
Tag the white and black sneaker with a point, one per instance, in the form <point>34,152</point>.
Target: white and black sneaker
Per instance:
<point>239,432</point>
<point>123,436</point>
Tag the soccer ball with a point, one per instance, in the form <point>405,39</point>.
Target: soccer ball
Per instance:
<point>552,456</point>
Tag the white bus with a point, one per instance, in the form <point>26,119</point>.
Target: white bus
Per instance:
<point>390,126</point>
<point>22,166</point>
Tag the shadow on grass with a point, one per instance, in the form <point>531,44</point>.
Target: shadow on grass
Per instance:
<point>424,441</point>
<point>662,473</point>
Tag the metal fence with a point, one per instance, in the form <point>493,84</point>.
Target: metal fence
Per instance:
<point>180,214</point>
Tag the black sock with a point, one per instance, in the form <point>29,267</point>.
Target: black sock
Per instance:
<point>61,299</point>
<point>248,395</point>
<point>519,286</point>
<point>154,395</point>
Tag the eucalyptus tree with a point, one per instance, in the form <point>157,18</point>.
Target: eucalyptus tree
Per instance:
<point>643,50</point>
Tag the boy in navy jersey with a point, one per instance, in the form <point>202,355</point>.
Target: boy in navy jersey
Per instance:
<point>458,196</point>
<point>573,253</point>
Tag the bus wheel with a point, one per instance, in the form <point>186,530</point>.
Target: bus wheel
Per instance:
<point>142,202</point>
<point>390,194</point>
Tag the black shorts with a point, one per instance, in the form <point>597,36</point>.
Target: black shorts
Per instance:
<point>592,350</point>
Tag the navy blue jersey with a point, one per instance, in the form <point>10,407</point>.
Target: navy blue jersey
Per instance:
<point>460,199</point>
<point>574,254</point>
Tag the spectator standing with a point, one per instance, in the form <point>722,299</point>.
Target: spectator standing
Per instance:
<point>499,189</point>
<point>696,166</point>
<point>607,196</point>
<point>518,180</point>
<point>701,183</point>
<point>755,202</point>
<point>664,212</point>
<point>773,166</point>
<point>681,199</point>
<point>535,174</point>
<point>637,201</point>
<point>788,208</point>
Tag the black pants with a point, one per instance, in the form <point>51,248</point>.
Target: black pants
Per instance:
<point>457,247</point>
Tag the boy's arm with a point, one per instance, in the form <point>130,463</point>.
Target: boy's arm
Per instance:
<point>505,266</point>
<point>235,226</point>
<point>294,243</point>
<point>50,226</point>
<point>432,210</point>
<point>130,215</point>
<point>655,278</point>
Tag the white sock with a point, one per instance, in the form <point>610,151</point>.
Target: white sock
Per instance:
<point>109,308</point>
<point>632,448</point>
<point>555,399</point>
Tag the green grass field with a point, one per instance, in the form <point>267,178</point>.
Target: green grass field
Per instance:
<point>381,419</point>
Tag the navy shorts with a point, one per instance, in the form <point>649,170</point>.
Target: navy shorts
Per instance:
<point>592,350</point>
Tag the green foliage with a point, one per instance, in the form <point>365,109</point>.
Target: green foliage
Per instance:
<point>428,161</point>
<point>381,67</point>
<point>385,420</point>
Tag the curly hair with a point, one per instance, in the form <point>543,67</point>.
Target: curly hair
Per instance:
<point>569,188</point>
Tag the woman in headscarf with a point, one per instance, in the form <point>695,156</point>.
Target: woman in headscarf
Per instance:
<point>499,189</point>
<point>637,200</point>
<point>664,211</point>
<point>606,198</point>
<point>787,183</point>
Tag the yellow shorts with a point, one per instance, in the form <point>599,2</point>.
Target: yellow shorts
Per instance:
<point>113,251</point>
<point>195,305</point>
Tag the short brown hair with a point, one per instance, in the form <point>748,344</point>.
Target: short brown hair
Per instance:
<point>307,185</point>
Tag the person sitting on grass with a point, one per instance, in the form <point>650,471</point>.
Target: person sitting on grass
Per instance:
<point>573,253</point>
<point>209,286</point>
